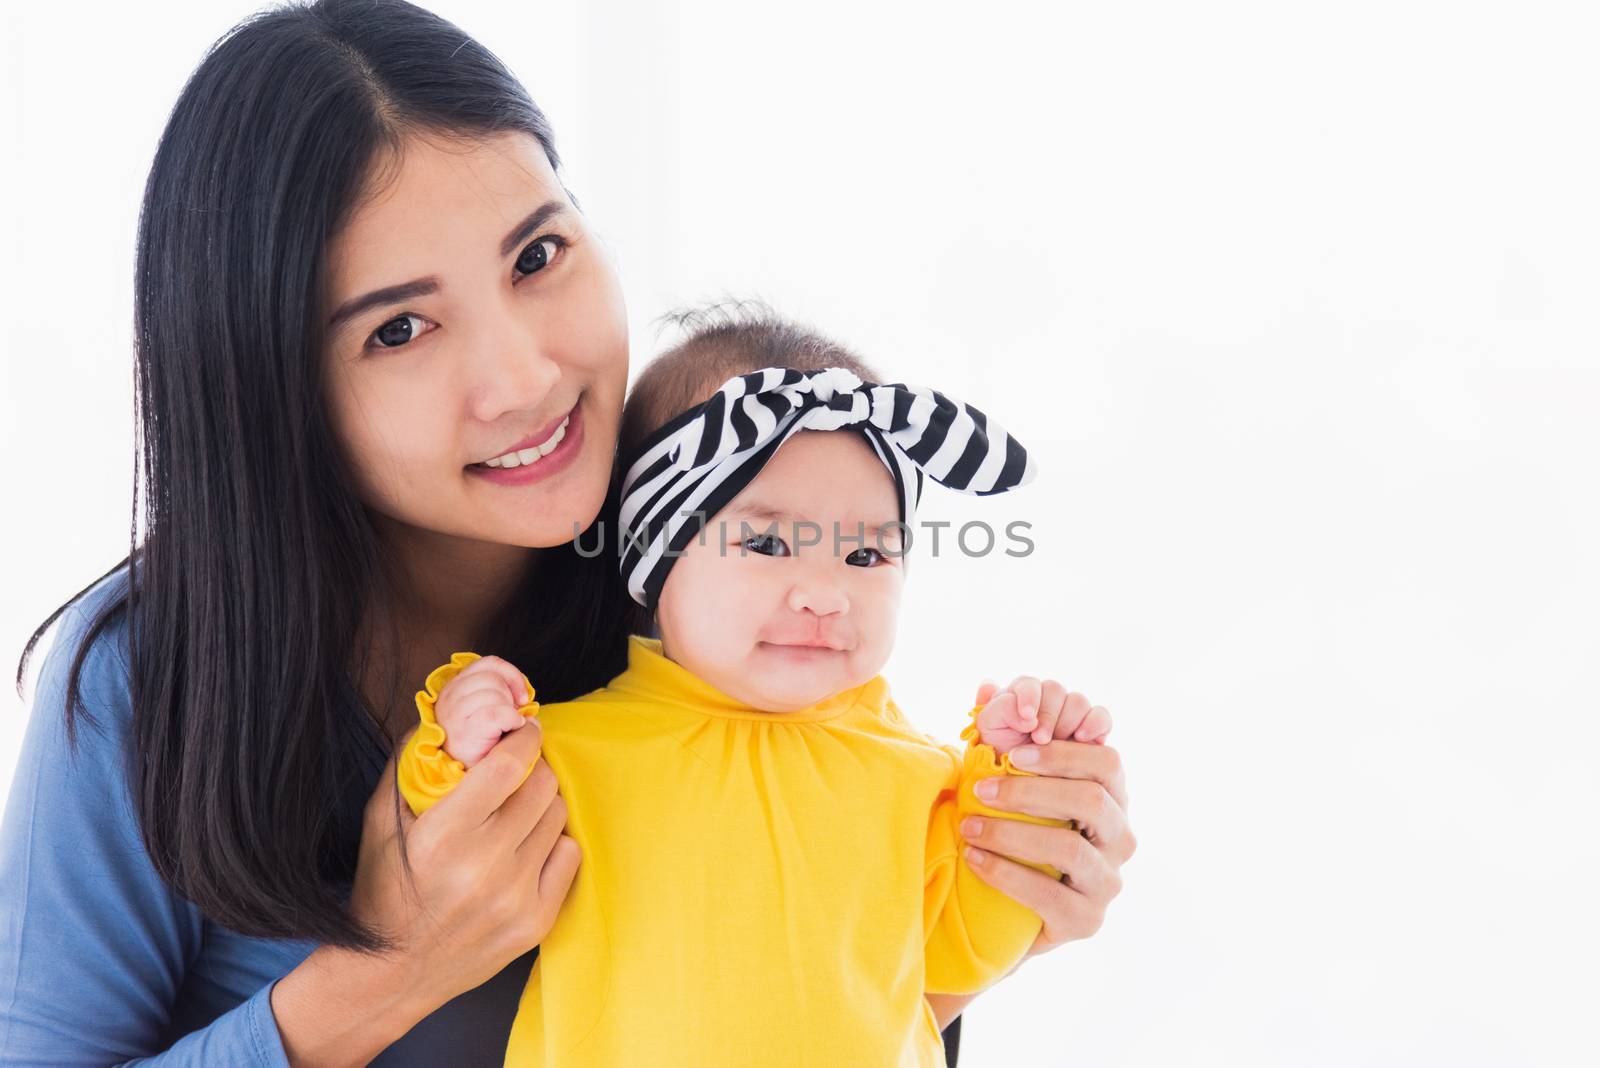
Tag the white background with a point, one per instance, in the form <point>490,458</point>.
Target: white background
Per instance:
<point>1297,309</point>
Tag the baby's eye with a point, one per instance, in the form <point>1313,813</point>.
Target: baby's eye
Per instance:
<point>767,545</point>
<point>856,559</point>
<point>397,332</point>
<point>537,256</point>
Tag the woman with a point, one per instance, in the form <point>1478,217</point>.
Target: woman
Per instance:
<point>359,276</point>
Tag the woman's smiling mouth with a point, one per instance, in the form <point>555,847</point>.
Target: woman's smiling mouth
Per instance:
<point>518,456</point>
<point>538,457</point>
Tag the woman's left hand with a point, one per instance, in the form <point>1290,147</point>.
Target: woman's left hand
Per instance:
<point>1074,780</point>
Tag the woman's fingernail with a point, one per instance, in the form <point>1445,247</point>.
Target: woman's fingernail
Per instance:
<point>971,827</point>
<point>986,789</point>
<point>976,856</point>
<point>1024,757</point>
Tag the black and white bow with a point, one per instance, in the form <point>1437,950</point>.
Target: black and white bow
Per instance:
<point>691,468</point>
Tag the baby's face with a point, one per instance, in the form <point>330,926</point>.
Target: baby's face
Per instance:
<point>805,610</point>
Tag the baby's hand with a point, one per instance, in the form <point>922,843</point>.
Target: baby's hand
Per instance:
<point>1037,711</point>
<point>478,706</point>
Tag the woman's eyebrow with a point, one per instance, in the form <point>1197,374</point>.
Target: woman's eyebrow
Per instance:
<point>537,218</point>
<point>420,287</point>
<point>405,291</point>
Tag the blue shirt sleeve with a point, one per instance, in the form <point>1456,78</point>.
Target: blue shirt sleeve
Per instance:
<point>94,945</point>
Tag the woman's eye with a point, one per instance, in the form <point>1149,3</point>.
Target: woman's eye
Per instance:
<point>397,332</point>
<point>537,256</point>
<point>767,545</point>
<point>856,559</point>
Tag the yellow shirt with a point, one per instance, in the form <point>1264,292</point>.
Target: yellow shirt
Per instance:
<point>756,887</point>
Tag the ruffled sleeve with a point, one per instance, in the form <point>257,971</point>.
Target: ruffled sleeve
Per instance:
<point>425,771</point>
<point>973,933</point>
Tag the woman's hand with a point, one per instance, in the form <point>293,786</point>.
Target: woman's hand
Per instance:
<point>1075,780</point>
<point>489,870</point>
<point>490,865</point>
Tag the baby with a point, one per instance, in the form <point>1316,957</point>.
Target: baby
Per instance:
<point>772,866</point>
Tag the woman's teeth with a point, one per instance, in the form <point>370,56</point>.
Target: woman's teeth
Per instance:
<point>533,452</point>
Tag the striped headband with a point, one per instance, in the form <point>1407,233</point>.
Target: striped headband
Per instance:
<point>691,468</point>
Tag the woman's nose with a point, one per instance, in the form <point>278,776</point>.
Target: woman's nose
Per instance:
<point>511,370</point>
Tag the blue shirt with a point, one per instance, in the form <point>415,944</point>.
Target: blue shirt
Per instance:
<point>101,962</point>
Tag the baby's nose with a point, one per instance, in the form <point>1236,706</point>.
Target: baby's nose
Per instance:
<point>821,598</point>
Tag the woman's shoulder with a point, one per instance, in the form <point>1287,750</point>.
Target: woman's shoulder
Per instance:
<point>70,802</point>
<point>96,623</point>
<point>105,599</point>
<point>77,888</point>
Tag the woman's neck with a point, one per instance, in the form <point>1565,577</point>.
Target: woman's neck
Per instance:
<point>454,587</point>
<point>445,593</point>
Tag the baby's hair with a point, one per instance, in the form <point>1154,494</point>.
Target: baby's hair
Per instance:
<point>722,340</point>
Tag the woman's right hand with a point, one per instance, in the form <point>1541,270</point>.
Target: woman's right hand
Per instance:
<point>489,863</point>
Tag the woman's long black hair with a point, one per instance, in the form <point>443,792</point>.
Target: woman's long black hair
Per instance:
<point>245,598</point>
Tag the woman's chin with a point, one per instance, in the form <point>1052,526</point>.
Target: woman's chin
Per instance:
<point>560,518</point>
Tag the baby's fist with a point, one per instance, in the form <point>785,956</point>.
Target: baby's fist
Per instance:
<point>479,705</point>
<point>1034,710</point>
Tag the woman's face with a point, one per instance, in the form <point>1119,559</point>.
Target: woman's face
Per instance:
<point>472,315</point>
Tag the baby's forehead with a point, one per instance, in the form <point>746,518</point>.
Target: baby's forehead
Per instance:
<point>822,474</point>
